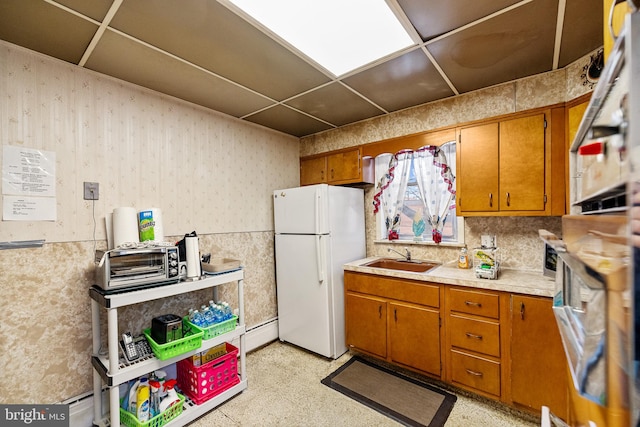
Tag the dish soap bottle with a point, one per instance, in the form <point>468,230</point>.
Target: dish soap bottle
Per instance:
<point>463,260</point>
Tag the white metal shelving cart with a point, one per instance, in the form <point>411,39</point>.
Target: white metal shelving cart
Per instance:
<point>109,370</point>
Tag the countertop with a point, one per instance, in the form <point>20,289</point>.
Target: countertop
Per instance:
<point>509,280</point>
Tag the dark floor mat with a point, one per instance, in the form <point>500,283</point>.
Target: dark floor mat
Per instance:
<point>401,398</point>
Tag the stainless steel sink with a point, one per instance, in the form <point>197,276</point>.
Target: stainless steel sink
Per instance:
<point>403,265</point>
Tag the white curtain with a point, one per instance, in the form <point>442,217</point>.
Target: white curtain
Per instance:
<point>391,188</point>
<point>436,184</point>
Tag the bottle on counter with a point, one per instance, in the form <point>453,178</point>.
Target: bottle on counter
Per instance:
<point>463,259</point>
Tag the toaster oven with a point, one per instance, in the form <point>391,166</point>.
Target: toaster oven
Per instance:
<point>119,269</point>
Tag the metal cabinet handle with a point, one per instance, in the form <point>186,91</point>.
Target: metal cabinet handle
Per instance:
<point>522,310</point>
<point>470,335</point>
<point>473,303</point>
<point>380,312</point>
<point>508,199</point>
<point>395,315</point>
<point>331,173</point>
<point>490,200</point>
<point>474,373</point>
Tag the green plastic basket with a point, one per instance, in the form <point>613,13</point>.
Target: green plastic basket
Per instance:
<point>130,420</point>
<point>214,330</point>
<point>191,341</point>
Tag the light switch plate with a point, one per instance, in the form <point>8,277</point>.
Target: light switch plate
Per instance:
<point>91,190</point>
<point>488,241</point>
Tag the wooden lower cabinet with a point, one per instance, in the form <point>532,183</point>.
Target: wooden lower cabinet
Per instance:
<point>476,372</point>
<point>414,333</point>
<point>538,362</point>
<point>366,320</point>
<point>382,323</point>
<point>496,344</point>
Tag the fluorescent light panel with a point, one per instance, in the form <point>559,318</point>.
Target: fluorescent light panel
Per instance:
<point>340,35</point>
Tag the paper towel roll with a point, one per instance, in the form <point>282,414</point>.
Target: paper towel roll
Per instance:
<point>192,250</point>
<point>125,226</point>
<point>150,225</point>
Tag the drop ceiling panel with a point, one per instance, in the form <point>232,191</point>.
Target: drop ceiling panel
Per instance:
<point>94,9</point>
<point>44,28</point>
<point>335,104</point>
<point>288,121</point>
<point>211,36</point>
<point>204,52</point>
<point>577,32</point>
<point>408,80</point>
<point>432,18</point>
<point>512,45</point>
<point>120,57</point>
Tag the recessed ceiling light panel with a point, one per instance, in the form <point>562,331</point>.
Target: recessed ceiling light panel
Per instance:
<point>340,35</point>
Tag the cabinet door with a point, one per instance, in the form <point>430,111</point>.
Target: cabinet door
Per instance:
<point>313,171</point>
<point>538,362</point>
<point>366,323</point>
<point>415,337</point>
<point>478,169</point>
<point>522,163</point>
<point>344,166</point>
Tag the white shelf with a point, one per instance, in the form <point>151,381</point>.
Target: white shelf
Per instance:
<point>110,371</point>
<point>152,363</point>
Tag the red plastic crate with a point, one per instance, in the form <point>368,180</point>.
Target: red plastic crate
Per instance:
<point>201,383</point>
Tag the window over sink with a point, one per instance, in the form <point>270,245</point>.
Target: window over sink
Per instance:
<point>415,197</point>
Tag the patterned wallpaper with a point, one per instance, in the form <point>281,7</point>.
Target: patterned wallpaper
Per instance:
<point>206,171</point>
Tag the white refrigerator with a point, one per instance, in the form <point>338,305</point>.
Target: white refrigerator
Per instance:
<point>318,228</point>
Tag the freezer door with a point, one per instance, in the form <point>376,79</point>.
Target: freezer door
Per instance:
<point>301,210</point>
<point>305,308</point>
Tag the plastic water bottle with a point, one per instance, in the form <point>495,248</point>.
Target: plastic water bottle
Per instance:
<point>226,309</point>
<point>196,318</point>
<point>215,309</point>
<point>209,315</point>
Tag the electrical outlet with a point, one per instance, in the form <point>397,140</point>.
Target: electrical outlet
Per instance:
<point>91,190</point>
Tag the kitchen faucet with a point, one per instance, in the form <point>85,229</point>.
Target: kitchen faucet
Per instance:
<point>407,256</point>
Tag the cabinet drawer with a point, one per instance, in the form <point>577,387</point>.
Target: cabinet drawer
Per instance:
<point>477,335</point>
<point>422,293</point>
<point>475,372</point>
<point>474,302</point>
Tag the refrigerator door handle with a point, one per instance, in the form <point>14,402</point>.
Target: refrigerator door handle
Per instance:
<point>316,208</point>
<point>320,261</point>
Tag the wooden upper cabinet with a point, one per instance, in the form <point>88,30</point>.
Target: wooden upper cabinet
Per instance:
<point>522,164</point>
<point>477,167</point>
<point>504,167</point>
<point>344,166</point>
<point>337,168</point>
<point>313,171</point>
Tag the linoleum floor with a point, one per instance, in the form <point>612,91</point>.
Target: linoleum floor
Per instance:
<point>284,389</point>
